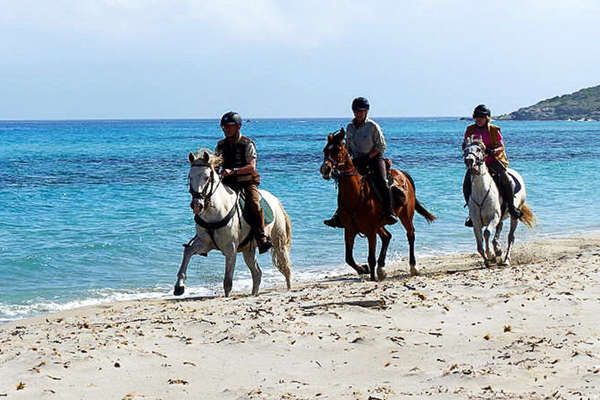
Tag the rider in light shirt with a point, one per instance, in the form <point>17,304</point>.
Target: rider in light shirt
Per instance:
<point>496,160</point>
<point>366,144</point>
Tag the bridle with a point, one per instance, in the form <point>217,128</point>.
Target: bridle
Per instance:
<point>478,160</point>
<point>337,170</point>
<point>205,194</point>
<point>207,190</point>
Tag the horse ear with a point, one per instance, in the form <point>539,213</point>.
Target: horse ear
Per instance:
<point>191,158</point>
<point>329,138</point>
<point>206,156</point>
<point>340,135</point>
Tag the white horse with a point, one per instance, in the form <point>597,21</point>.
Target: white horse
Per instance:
<point>220,226</point>
<point>485,205</point>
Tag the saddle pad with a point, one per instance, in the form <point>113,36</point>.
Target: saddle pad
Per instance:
<point>267,211</point>
<point>517,186</point>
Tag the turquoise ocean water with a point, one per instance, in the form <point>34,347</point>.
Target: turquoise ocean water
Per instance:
<point>94,211</point>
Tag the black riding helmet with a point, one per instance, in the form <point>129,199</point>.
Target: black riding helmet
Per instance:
<point>231,118</point>
<point>360,104</point>
<point>481,111</point>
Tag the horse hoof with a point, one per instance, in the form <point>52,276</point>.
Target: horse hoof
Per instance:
<point>365,269</point>
<point>381,274</point>
<point>178,290</point>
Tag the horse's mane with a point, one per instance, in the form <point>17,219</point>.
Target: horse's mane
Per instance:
<point>478,142</point>
<point>213,160</point>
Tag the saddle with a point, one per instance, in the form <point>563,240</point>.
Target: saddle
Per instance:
<point>398,192</point>
<point>516,185</point>
<point>514,182</point>
<point>267,210</point>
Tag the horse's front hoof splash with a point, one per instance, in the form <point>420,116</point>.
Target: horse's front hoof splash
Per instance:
<point>178,290</point>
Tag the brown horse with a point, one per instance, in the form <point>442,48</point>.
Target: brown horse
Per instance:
<point>361,212</point>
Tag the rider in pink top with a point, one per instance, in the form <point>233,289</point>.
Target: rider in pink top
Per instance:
<point>482,133</point>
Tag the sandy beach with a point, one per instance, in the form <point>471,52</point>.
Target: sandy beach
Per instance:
<point>457,331</point>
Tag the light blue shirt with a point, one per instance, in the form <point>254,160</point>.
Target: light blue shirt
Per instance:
<point>365,138</point>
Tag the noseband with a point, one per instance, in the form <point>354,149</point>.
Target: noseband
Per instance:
<point>207,190</point>
<point>336,167</point>
<point>478,160</point>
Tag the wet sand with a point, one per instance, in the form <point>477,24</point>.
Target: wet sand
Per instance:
<point>457,331</point>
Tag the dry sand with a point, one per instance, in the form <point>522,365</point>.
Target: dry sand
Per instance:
<point>458,331</point>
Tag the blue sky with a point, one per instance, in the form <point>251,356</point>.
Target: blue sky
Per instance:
<point>66,59</point>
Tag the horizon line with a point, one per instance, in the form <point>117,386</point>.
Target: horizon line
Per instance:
<point>210,119</point>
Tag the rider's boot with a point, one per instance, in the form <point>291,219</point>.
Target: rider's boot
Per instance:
<point>388,214</point>
<point>467,194</point>
<point>334,221</point>
<point>263,241</point>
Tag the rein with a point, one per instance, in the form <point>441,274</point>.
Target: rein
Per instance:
<point>205,194</point>
<point>336,172</point>
<point>207,190</point>
<point>479,162</point>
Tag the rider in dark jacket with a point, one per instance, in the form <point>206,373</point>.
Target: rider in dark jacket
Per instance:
<point>239,172</point>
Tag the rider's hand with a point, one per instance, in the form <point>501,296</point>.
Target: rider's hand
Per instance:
<point>226,172</point>
<point>490,152</point>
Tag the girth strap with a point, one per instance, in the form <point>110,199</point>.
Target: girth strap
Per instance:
<point>211,227</point>
<point>216,225</point>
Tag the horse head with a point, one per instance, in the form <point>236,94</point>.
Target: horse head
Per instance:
<point>336,157</point>
<point>474,156</point>
<point>203,179</point>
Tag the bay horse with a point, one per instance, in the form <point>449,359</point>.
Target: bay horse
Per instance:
<point>485,205</point>
<point>220,225</point>
<point>361,212</point>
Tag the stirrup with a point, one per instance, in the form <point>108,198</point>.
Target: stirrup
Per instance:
<point>334,222</point>
<point>264,244</point>
<point>390,219</point>
<point>468,222</point>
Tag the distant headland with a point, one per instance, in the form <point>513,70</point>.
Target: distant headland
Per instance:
<point>583,105</point>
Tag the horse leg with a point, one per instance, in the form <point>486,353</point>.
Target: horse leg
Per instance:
<point>230,258</point>
<point>487,233</point>
<point>349,241</point>
<point>385,237</point>
<point>479,240</point>
<point>372,239</point>
<point>196,246</point>
<point>252,263</point>
<point>407,221</point>
<point>496,242</point>
<point>511,238</point>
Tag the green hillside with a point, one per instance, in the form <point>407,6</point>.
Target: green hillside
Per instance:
<point>581,105</point>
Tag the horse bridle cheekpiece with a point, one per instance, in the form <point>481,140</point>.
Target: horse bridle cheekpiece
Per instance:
<point>336,167</point>
<point>207,190</point>
<point>479,160</point>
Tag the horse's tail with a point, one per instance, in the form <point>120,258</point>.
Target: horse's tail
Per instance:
<point>527,217</point>
<point>429,217</point>
<point>426,214</point>
<point>280,254</point>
